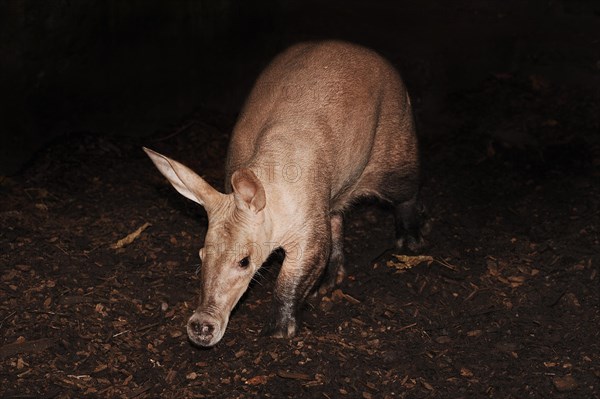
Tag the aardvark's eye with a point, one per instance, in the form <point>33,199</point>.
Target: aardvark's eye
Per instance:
<point>244,262</point>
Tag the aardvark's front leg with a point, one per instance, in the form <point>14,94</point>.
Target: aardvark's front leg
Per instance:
<point>301,269</point>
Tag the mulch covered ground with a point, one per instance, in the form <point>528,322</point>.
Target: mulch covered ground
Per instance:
<point>504,303</point>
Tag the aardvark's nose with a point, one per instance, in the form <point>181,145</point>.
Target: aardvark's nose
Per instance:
<point>203,329</point>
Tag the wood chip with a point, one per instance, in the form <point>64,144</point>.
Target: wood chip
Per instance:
<point>407,262</point>
<point>427,385</point>
<point>100,367</point>
<point>257,380</point>
<point>191,376</point>
<point>338,294</point>
<point>293,376</point>
<point>123,242</point>
<point>444,339</point>
<point>565,384</point>
<point>465,372</point>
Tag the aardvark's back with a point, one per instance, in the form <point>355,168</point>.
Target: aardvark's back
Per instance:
<point>335,110</point>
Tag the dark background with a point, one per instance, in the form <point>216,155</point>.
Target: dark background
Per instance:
<point>503,303</point>
<point>133,67</point>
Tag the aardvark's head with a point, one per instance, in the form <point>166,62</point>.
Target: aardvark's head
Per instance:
<point>234,244</point>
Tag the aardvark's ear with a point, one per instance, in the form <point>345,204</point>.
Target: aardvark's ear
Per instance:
<point>188,183</point>
<point>248,190</point>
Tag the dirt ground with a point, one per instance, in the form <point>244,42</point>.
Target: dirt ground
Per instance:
<point>506,303</point>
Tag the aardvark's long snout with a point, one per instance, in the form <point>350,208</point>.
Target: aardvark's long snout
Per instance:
<point>205,329</point>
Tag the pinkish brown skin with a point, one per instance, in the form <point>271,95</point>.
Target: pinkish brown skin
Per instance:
<point>326,124</point>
